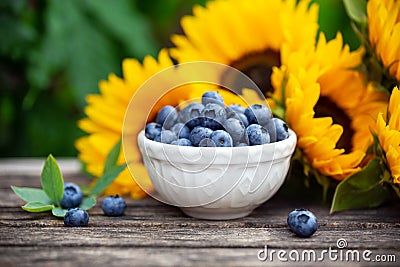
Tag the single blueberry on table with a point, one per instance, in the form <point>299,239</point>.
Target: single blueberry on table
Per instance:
<point>113,206</point>
<point>191,115</point>
<point>221,138</point>
<point>277,130</point>
<point>167,116</point>
<point>212,97</point>
<point>166,137</point>
<point>257,135</point>
<point>258,114</point>
<point>76,217</point>
<point>152,130</point>
<point>182,142</point>
<point>302,222</point>
<point>198,134</point>
<point>214,116</point>
<point>72,196</point>
<point>181,130</point>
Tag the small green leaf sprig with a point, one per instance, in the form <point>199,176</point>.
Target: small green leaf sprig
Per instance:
<point>49,197</point>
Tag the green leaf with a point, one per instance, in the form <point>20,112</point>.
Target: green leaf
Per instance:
<point>37,207</point>
<point>357,10</point>
<point>52,181</point>
<point>112,156</point>
<point>31,194</point>
<point>88,203</point>
<point>59,212</point>
<point>107,179</point>
<point>364,189</point>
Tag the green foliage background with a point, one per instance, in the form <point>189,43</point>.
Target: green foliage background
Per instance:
<point>53,53</point>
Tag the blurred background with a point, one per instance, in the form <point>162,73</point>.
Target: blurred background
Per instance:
<point>54,52</point>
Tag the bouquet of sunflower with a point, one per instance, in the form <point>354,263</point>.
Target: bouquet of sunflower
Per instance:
<point>343,105</point>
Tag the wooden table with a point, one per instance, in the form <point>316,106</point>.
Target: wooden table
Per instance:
<point>154,234</point>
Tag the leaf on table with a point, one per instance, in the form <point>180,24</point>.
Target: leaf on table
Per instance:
<point>37,207</point>
<point>88,203</point>
<point>364,189</point>
<point>52,181</point>
<point>59,212</point>
<point>107,179</point>
<point>112,156</point>
<point>31,194</point>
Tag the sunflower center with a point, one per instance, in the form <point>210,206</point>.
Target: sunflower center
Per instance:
<point>327,108</point>
<point>258,66</point>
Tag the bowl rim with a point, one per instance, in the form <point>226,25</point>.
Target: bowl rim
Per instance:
<point>285,146</point>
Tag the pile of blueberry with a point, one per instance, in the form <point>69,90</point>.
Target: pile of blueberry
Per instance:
<point>212,124</point>
<point>75,216</point>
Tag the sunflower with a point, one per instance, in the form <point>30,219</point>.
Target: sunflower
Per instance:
<point>246,35</point>
<point>389,134</point>
<point>106,115</point>
<point>328,105</point>
<point>104,122</point>
<point>384,34</point>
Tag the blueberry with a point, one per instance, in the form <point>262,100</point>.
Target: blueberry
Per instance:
<point>191,115</point>
<point>198,134</point>
<point>212,97</point>
<point>221,138</point>
<point>214,116</point>
<point>166,137</point>
<point>152,130</point>
<point>237,108</point>
<point>181,130</point>
<point>76,217</point>
<point>206,142</point>
<point>258,114</point>
<point>167,117</point>
<point>244,119</point>
<point>72,196</point>
<point>302,222</point>
<point>235,128</point>
<point>113,206</point>
<point>182,142</point>
<point>277,130</point>
<point>257,135</point>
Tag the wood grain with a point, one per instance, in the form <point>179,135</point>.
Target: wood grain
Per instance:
<point>154,234</point>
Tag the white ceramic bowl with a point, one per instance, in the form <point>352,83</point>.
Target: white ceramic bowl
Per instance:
<point>216,183</point>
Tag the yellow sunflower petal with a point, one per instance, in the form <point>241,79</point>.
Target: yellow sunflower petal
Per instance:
<point>332,110</point>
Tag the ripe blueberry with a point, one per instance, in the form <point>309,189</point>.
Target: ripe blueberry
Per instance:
<point>198,134</point>
<point>258,114</point>
<point>214,116</point>
<point>212,97</point>
<point>166,137</point>
<point>167,117</point>
<point>191,115</point>
<point>221,138</point>
<point>302,222</point>
<point>72,196</point>
<point>181,130</point>
<point>76,217</point>
<point>182,142</point>
<point>257,135</point>
<point>152,130</point>
<point>113,206</point>
<point>277,130</point>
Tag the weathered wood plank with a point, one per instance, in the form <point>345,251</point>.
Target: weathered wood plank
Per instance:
<point>126,256</point>
<point>153,234</point>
